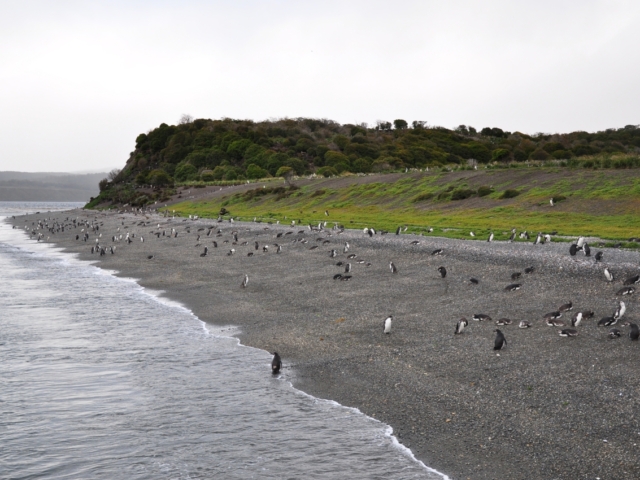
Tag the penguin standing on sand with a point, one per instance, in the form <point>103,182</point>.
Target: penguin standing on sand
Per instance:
<point>460,326</point>
<point>442,271</point>
<point>490,239</point>
<point>276,363</point>
<point>245,282</point>
<point>393,268</point>
<point>500,342</point>
<point>608,275</point>
<point>634,333</point>
<point>599,256</point>
<point>573,249</point>
<point>387,324</point>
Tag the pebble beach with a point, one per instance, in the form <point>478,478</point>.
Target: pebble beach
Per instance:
<point>544,407</point>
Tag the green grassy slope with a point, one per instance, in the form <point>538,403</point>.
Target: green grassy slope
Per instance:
<point>603,203</point>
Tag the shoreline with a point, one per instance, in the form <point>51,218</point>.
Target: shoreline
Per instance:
<point>539,410</point>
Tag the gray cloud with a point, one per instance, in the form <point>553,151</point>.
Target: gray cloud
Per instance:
<point>80,80</point>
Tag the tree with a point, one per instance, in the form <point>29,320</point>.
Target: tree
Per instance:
<point>400,124</point>
<point>286,173</point>
<point>159,178</point>
<point>416,124</point>
<point>102,184</point>
<point>185,118</point>
<point>113,174</point>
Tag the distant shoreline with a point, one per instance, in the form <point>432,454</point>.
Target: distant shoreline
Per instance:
<point>542,409</point>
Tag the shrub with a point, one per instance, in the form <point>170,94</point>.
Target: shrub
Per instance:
<point>423,197</point>
<point>558,198</point>
<point>510,193</point>
<point>103,184</point>
<point>141,178</point>
<point>255,171</point>
<point>327,172</point>
<point>461,194</point>
<point>539,154</point>
<point>159,178</point>
<point>443,196</point>
<point>207,176</point>
<point>500,155</point>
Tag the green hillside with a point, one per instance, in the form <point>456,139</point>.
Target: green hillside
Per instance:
<point>228,150</point>
<point>603,203</point>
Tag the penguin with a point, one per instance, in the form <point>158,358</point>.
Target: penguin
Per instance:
<point>568,332</point>
<point>333,254</point>
<point>353,255</point>
<point>551,202</point>
<point>472,234</point>
<point>215,244</point>
<point>634,332</point>
<point>245,282</point>
<point>256,246</point>
<point>460,326</point>
<point>573,249</point>
<point>513,287</point>
<point>415,242</point>
<point>339,264</point>
<point>524,324</point>
<point>500,342</point>
<point>344,278</point>
<point>276,363</point>
<point>279,249</point>
<point>577,318</point>
<point>204,254</point>
<point>625,291</point>
<point>481,317</point>
<point>586,249</point>
<point>538,239</point>
<point>529,270</point>
<point>490,239</point>
<point>552,322</point>
<point>337,276</point>
<point>149,257</point>
<point>347,268</point>
<point>580,243</point>
<point>393,268</point>
<point>346,247</point>
<point>620,311</point>
<point>443,271</point>
<point>632,280</point>
<point>608,275</point>
<point>387,324</point>
<point>474,281</point>
<point>516,275</point>
<point>250,254</point>
<point>599,256</point>
<point>504,321</point>
<point>265,249</point>
<point>566,307</point>
<point>587,314</point>
<point>398,230</point>
<point>512,237</point>
<point>607,321</point>
<point>614,333</point>
<point>437,251</point>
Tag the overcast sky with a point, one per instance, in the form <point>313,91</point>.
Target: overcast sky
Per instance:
<point>79,80</point>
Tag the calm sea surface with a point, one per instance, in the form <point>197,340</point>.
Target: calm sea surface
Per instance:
<point>100,378</point>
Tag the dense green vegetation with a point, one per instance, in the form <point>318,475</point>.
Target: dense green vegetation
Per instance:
<point>601,203</point>
<point>236,150</point>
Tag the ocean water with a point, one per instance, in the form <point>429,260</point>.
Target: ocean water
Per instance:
<point>100,378</point>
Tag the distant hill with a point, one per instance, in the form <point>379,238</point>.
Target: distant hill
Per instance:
<point>48,186</point>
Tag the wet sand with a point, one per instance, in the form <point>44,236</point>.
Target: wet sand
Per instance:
<point>544,407</point>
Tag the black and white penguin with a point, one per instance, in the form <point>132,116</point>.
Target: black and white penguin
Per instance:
<point>554,322</point>
<point>245,282</point>
<point>442,271</point>
<point>460,326</point>
<point>516,275</point>
<point>577,318</point>
<point>149,257</point>
<point>586,249</point>
<point>347,268</point>
<point>568,332</point>
<point>337,276</point>
<point>632,280</point>
<point>614,333</point>
<point>398,230</point>
<point>608,275</point>
<point>204,254</point>
<point>512,237</point>
<point>490,239</point>
<point>573,249</point>
<point>524,324</point>
<point>566,307</point>
<point>625,291</point>
<point>529,270</point>
<point>500,342</point>
<point>538,239</point>
<point>265,249</point>
<point>620,311</point>
<point>250,254</point>
<point>607,321</point>
<point>415,242</point>
<point>474,281</point>
<point>504,321</point>
<point>256,245</point>
<point>481,317</point>
<point>472,234</point>
<point>393,268</point>
<point>215,244</point>
<point>513,287</point>
<point>352,255</point>
<point>279,248</point>
<point>276,363</point>
<point>333,254</point>
<point>599,256</point>
<point>387,324</point>
<point>580,243</point>
<point>437,251</point>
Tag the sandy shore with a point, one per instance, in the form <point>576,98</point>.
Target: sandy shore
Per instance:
<point>546,407</point>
